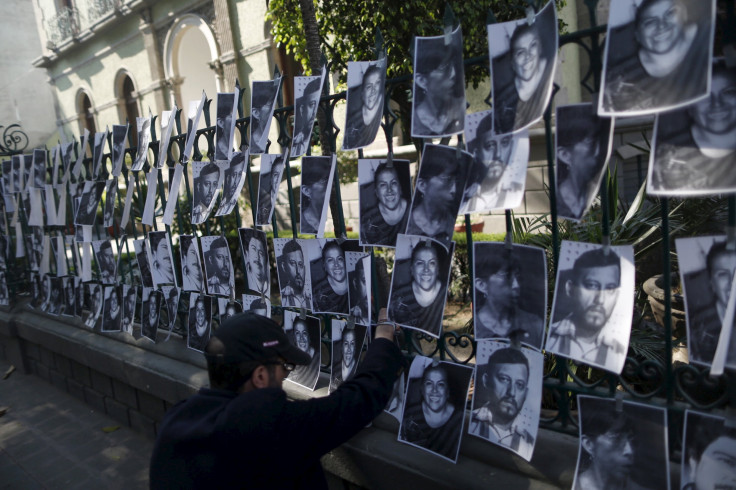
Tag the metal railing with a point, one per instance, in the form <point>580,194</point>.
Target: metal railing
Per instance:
<point>63,25</point>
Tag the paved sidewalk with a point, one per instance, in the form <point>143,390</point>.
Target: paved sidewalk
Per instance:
<point>49,439</point>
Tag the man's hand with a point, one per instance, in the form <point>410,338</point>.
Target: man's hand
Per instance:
<point>385,329</point>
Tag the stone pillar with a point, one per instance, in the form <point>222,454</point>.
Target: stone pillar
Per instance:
<point>224,33</point>
<point>155,63</point>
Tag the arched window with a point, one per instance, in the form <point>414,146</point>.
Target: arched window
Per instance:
<point>131,108</point>
<point>86,117</point>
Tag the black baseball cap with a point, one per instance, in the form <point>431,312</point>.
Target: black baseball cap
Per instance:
<point>251,337</point>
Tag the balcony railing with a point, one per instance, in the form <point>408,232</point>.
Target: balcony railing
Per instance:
<point>63,25</point>
<point>98,9</point>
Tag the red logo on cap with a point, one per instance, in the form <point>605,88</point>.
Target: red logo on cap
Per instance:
<point>271,343</point>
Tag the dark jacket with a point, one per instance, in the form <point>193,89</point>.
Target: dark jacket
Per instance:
<point>259,439</point>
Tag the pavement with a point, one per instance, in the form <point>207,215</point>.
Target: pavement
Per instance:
<point>49,439</point>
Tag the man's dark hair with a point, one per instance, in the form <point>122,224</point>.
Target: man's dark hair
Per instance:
<point>278,161</point>
<point>263,97</point>
<point>218,242</point>
<point>329,245</point>
<point>173,293</point>
<point>578,128</point>
<point>156,238</point>
<point>491,263</point>
<point>316,169</point>
<point>594,259</point>
<point>507,355</point>
<point>105,246</point>
<point>436,163</point>
<point>210,168</point>
<point>131,292</point>
<point>484,127</point>
<point>291,246</point>
<point>359,270</point>
<point>432,59</point>
<point>718,248</point>
<point>701,435</point>
<point>258,304</point>
<point>597,420</point>
<point>310,89</point>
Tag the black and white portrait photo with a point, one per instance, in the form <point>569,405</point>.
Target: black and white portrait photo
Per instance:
<point>497,176</point>
<point>112,316</point>
<point>255,254</point>
<point>583,146</point>
<point>523,59</point>
<point>359,279</point>
<point>207,181</point>
<point>262,102</point>
<point>694,148</point>
<point>293,272</point>
<point>119,135</point>
<point>194,113</point>
<point>56,297</point>
<point>507,396</point>
<point>4,295</point>
<point>150,313</point>
<point>657,55</point>
<point>709,452</point>
<point>622,447</point>
<point>317,174</point>
<point>385,196</point>
<point>707,268</point>
<point>347,344</point>
<point>162,263</point>
<point>39,168</point>
<point>218,265</point>
<point>307,92</point>
<point>329,275</point>
<point>171,295</point>
<point>70,296</point>
<point>441,179</point>
<point>98,150</point>
<point>434,410</point>
<point>272,168</point>
<point>439,86</point>
<point>106,263</point>
<point>94,304</point>
<point>227,308</point>
<point>591,313</point>
<point>227,108</point>
<point>233,183</point>
<point>191,264</point>
<point>200,321</point>
<point>304,333</point>
<point>80,298</point>
<point>90,202</point>
<point>143,125</point>
<point>144,262</point>
<point>111,189</point>
<point>259,305</point>
<point>36,290</point>
<point>419,283</point>
<point>365,95</point>
<point>130,298</point>
<point>510,292</point>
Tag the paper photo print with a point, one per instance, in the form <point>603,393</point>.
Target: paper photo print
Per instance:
<point>233,183</point>
<point>80,299</point>
<point>191,264</point>
<point>112,316</point>
<point>194,112</point>
<point>70,296</point>
<point>111,189</point>
<point>45,284</point>
<point>359,279</point>
<point>439,86</point>
<point>317,174</point>
<point>171,295</point>
<point>150,311</point>
<point>385,198</point>
<point>207,182</point>
<point>260,305</point>
<point>56,297</point>
<point>507,396</point>
<point>130,299</point>
<point>200,321</point>
<point>94,304</point>
<point>662,50</point>
<point>509,293</point>
<point>106,263</point>
<point>591,312</point>
<point>255,255</point>
<point>694,148</point>
<point>707,269</point>
<point>439,388</point>
<point>497,176</point>
<point>119,135</point>
<point>395,405</point>
<point>99,172</point>
<point>583,146</point>
<point>329,277</point>
<point>347,344</point>
<point>218,266</point>
<point>227,308</point>
<point>144,263</point>
<point>293,271</point>
<point>365,96</point>
<point>4,295</point>
<point>419,283</point>
<point>143,125</point>
<point>272,168</point>
<point>91,196</point>
<point>523,59</point>
<point>227,108</point>
<point>621,447</point>
<point>39,169</point>
<point>162,263</point>
<point>36,291</point>
<point>441,179</point>
<point>307,92</point>
<point>262,103</point>
<point>709,452</point>
<point>305,334</point>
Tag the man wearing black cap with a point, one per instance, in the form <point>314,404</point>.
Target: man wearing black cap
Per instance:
<point>237,432</point>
